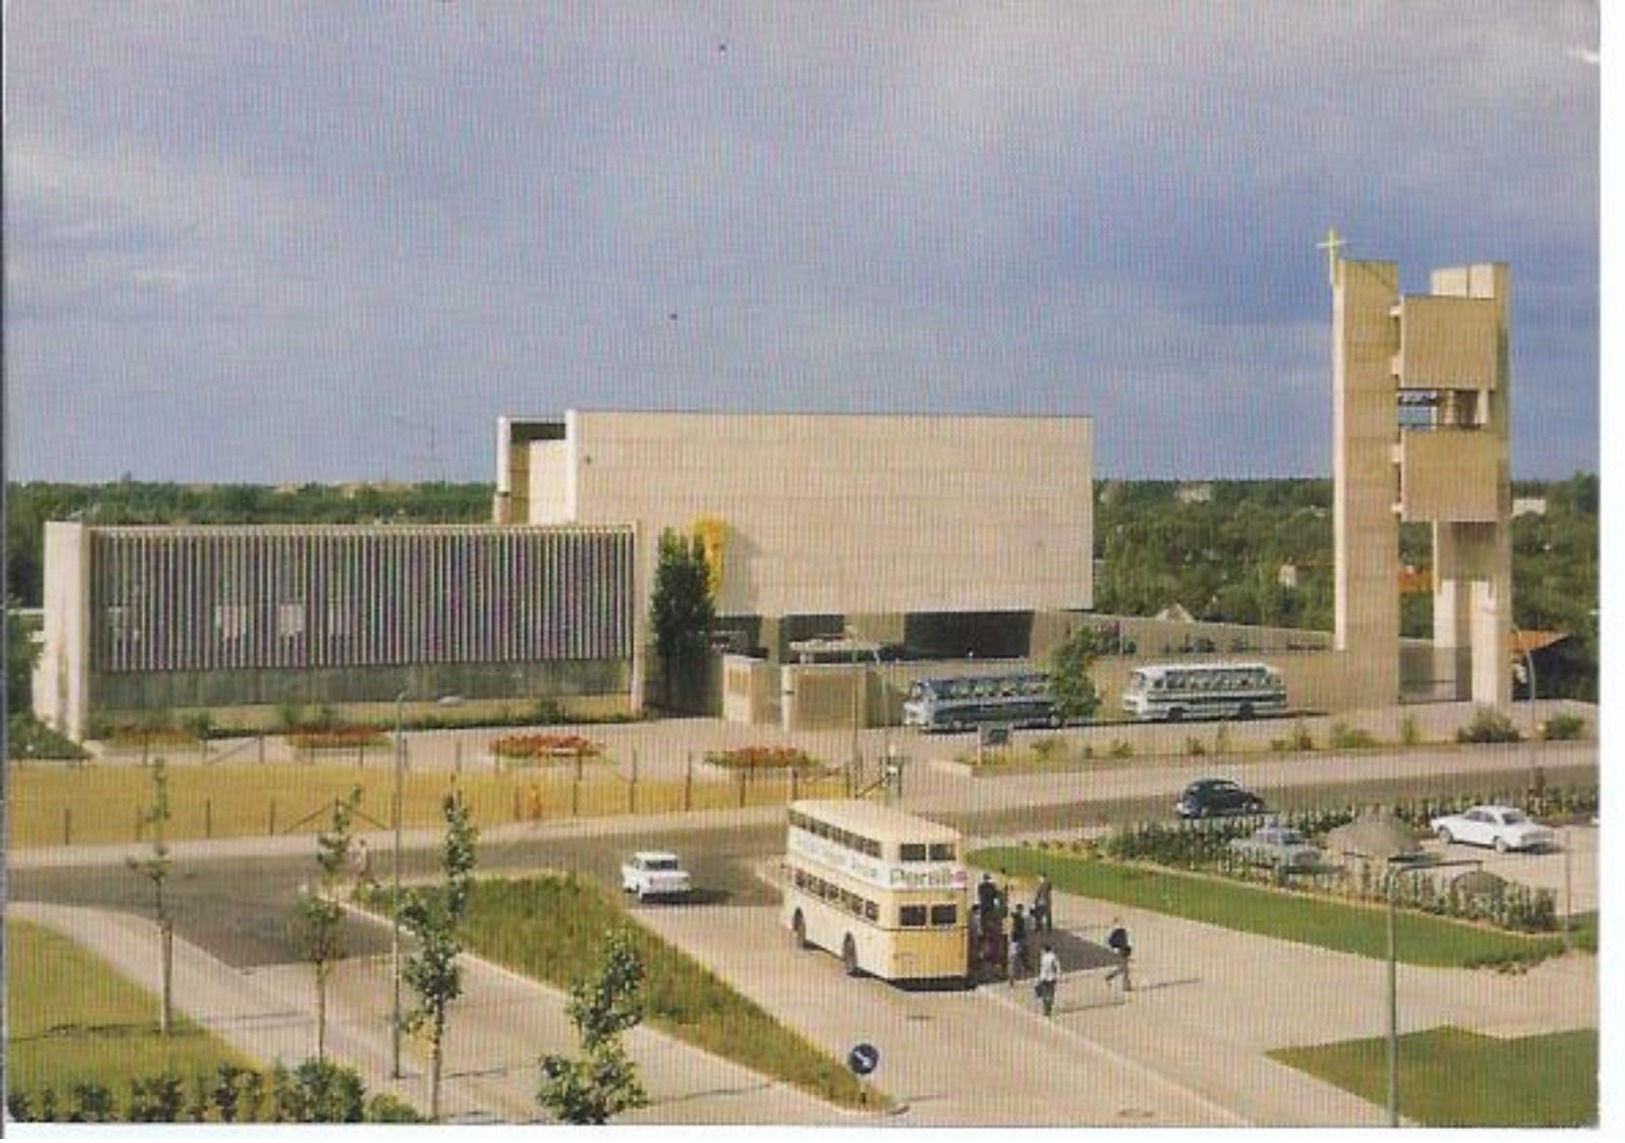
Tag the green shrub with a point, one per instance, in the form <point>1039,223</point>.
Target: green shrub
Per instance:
<point>1489,725</point>
<point>1409,733</point>
<point>28,739</point>
<point>1045,749</point>
<point>1121,749</point>
<point>1345,737</point>
<point>1563,727</point>
<point>1195,746</point>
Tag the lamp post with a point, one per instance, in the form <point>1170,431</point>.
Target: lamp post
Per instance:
<point>1390,883</point>
<point>395,903</point>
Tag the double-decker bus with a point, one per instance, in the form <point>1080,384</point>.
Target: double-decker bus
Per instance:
<point>1173,691</point>
<point>882,889</point>
<point>980,700</point>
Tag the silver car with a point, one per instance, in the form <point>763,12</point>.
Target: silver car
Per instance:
<point>1279,846</point>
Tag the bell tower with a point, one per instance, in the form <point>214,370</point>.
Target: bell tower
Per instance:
<point>1422,432</point>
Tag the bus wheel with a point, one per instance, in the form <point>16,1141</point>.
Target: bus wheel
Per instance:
<point>799,926</point>
<point>849,955</point>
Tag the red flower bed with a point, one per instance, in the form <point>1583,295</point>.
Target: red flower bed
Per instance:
<point>763,758</point>
<point>545,746</point>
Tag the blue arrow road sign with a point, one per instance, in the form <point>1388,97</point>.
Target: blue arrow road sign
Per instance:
<point>863,1059</point>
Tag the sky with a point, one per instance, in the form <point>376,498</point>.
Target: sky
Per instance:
<point>334,240</point>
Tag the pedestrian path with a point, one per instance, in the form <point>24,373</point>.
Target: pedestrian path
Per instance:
<point>502,1026</point>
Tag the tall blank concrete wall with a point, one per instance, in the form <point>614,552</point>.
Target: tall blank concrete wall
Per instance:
<point>845,514</point>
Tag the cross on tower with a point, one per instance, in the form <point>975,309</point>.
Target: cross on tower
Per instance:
<point>1332,245</point>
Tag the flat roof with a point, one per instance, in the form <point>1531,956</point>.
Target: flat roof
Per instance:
<point>859,816</point>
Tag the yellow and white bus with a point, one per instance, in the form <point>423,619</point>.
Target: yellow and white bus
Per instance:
<point>882,889</point>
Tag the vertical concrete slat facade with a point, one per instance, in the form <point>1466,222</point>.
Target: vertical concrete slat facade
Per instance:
<point>138,618</point>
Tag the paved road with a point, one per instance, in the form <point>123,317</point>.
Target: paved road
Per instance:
<point>1186,1048</point>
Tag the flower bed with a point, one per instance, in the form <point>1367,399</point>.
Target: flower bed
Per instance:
<point>338,738</point>
<point>752,758</point>
<point>545,746</point>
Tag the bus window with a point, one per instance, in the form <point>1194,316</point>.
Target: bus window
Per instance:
<point>911,851</point>
<point>911,916</point>
<point>944,915</point>
<point>944,851</point>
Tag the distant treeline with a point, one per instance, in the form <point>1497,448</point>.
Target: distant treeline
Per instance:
<point>29,506</point>
<point>1217,548</point>
<point>1260,552</point>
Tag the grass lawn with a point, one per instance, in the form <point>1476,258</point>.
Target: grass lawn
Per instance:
<point>552,929</point>
<point>1339,925</point>
<point>102,804</point>
<point>74,1020</point>
<point>1449,1077</point>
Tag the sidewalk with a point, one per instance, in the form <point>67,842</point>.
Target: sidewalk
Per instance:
<point>500,1028</point>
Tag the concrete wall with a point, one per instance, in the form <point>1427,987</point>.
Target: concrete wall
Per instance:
<point>61,691</point>
<point>845,514</point>
<point>820,697</point>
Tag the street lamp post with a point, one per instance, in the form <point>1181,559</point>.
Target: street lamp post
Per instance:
<point>395,904</point>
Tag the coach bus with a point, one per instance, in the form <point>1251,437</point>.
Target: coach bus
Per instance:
<point>882,889</point>
<point>980,700</point>
<point>1170,692</point>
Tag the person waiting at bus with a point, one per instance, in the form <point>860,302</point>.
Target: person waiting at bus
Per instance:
<point>1018,944</point>
<point>987,896</point>
<point>1043,918</point>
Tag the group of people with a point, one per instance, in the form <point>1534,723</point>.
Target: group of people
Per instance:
<point>1001,938</point>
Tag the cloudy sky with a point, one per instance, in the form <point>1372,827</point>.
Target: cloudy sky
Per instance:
<point>330,240</point>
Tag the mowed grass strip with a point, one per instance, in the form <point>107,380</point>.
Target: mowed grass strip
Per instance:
<point>1343,926</point>
<point>74,1019</point>
<point>553,928</point>
<point>90,805</point>
<point>1450,1077</point>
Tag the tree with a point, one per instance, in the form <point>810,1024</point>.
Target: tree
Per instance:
<point>681,608</point>
<point>156,870</point>
<point>319,915</point>
<point>435,918</point>
<point>1074,692</point>
<point>21,655</point>
<point>604,1081</point>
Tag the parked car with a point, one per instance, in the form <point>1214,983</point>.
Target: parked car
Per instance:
<point>1279,846</point>
<point>1503,827</point>
<point>1212,797</point>
<point>654,873</point>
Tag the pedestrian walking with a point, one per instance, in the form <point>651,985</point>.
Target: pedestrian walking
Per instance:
<point>1049,977</point>
<point>1019,964</point>
<point>1043,918</point>
<point>1117,940</point>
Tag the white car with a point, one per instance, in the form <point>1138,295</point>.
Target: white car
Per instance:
<point>1502,827</point>
<point>654,873</point>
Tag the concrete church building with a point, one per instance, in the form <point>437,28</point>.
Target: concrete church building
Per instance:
<point>832,535</point>
<point>836,542</point>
